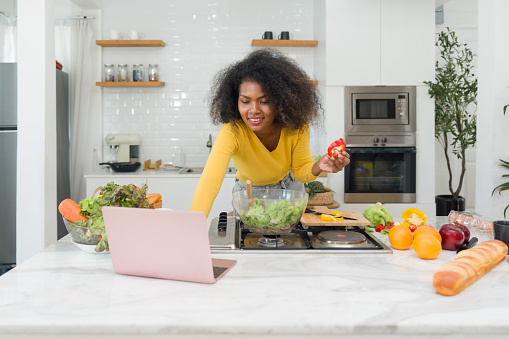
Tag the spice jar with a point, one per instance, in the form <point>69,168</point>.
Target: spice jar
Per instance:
<point>109,73</point>
<point>138,72</point>
<point>122,72</point>
<point>153,72</point>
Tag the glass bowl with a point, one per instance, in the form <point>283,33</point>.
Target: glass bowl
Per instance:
<point>270,211</point>
<point>81,234</point>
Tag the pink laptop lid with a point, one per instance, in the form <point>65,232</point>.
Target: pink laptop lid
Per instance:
<point>161,243</point>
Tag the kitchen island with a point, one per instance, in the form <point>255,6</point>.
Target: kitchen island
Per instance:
<point>64,292</point>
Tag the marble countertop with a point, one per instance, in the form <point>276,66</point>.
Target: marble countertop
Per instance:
<point>66,292</point>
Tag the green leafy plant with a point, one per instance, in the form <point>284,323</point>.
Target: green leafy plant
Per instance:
<point>454,90</point>
<point>314,187</point>
<point>504,186</point>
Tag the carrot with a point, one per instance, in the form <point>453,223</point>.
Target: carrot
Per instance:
<point>154,197</point>
<point>70,210</point>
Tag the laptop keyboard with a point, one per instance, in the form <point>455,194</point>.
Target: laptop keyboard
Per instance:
<point>218,270</point>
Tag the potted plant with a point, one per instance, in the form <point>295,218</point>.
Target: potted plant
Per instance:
<point>319,195</point>
<point>504,186</point>
<point>455,92</point>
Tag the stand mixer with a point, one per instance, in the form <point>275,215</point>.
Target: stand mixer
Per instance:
<point>126,146</point>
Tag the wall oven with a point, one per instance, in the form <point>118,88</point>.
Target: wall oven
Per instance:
<point>381,174</point>
<point>380,133</point>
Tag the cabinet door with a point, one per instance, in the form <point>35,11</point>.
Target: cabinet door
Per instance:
<point>177,192</point>
<point>407,42</point>
<point>93,183</point>
<point>223,202</point>
<point>353,42</point>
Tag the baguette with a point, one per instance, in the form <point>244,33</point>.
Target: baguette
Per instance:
<point>468,267</point>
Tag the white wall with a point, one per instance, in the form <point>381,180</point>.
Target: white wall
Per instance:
<point>36,223</point>
<point>201,37</point>
<point>493,95</point>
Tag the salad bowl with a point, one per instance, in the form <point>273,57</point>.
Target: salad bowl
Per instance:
<point>270,211</point>
<point>83,237</point>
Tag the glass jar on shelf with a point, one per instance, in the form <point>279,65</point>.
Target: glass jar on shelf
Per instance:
<point>109,73</point>
<point>153,72</point>
<point>138,72</point>
<point>122,73</point>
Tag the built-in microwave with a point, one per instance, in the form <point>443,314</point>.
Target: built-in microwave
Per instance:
<point>380,108</point>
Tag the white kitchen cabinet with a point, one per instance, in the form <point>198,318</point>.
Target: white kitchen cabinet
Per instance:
<point>407,48</point>
<point>353,42</point>
<point>178,193</point>
<point>380,42</point>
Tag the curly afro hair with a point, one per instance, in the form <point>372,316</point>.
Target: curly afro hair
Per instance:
<point>292,95</point>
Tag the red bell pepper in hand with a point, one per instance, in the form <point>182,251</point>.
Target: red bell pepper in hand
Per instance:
<point>337,147</point>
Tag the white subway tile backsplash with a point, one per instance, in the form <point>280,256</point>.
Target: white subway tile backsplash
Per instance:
<point>202,37</point>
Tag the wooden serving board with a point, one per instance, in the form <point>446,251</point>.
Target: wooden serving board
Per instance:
<point>310,219</point>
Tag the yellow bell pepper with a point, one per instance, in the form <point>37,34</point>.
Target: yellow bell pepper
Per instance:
<point>414,216</point>
<point>326,217</point>
<point>336,214</point>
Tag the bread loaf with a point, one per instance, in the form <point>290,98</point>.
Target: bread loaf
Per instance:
<point>468,266</point>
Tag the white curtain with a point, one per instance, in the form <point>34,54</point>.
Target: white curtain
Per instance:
<point>73,41</point>
<point>8,34</point>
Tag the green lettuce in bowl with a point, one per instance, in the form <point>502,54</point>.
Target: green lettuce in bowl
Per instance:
<point>270,211</point>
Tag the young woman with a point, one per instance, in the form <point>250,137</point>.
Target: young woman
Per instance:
<point>266,103</point>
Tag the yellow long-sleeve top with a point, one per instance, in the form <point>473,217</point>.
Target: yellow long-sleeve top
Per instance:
<point>253,161</point>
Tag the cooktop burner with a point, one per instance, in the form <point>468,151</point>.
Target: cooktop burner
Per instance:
<point>337,238</point>
<point>286,241</point>
<point>228,233</point>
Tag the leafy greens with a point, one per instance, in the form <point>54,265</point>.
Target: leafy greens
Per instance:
<point>110,195</point>
<point>377,214</point>
<point>273,217</point>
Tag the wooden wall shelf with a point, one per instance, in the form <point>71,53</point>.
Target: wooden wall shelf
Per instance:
<point>130,43</point>
<point>284,43</point>
<point>131,84</point>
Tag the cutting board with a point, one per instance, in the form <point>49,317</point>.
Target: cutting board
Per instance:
<point>310,219</point>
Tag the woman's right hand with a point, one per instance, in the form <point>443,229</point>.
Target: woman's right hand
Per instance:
<point>331,165</point>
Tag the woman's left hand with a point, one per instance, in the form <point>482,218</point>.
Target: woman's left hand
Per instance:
<point>332,165</point>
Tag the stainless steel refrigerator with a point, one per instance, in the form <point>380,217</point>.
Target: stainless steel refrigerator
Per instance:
<point>8,155</point>
<point>8,146</point>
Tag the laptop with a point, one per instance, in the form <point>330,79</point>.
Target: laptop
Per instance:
<point>162,243</point>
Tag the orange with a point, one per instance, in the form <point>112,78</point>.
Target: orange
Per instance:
<point>426,229</point>
<point>400,237</point>
<point>427,246</point>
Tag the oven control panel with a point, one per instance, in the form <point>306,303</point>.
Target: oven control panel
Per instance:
<point>380,139</point>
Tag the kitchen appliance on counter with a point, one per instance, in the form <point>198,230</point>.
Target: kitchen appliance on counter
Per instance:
<point>127,146</point>
<point>228,233</point>
<point>380,129</point>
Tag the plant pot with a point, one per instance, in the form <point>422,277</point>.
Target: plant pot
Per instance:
<point>321,199</point>
<point>445,203</point>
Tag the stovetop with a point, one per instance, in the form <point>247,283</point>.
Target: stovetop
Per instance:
<point>228,233</point>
